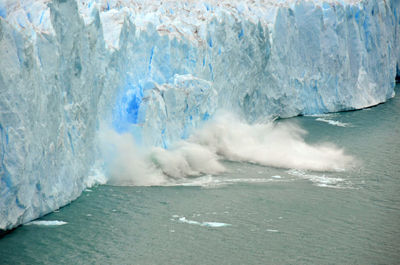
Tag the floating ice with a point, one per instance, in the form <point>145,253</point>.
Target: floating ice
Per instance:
<point>205,224</point>
<point>214,224</point>
<point>334,123</point>
<point>47,223</point>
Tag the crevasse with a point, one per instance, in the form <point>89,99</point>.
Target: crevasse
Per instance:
<point>158,70</point>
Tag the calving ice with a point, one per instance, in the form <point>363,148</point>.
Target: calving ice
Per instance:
<point>224,137</point>
<point>155,71</point>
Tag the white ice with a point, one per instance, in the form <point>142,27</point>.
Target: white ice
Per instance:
<point>158,70</point>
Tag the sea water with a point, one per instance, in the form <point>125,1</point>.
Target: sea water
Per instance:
<point>248,214</point>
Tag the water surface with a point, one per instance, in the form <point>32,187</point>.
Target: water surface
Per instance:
<point>249,215</point>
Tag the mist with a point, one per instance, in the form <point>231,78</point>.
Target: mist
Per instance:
<point>225,137</point>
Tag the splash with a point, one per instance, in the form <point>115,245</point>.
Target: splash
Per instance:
<point>272,144</point>
<point>226,137</point>
<point>125,163</point>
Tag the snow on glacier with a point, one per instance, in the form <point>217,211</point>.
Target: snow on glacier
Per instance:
<point>158,69</point>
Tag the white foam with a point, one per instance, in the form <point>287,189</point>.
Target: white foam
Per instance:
<point>272,230</point>
<point>205,224</point>
<point>47,223</point>
<point>321,180</point>
<point>333,122</point>
<point>209,181</point>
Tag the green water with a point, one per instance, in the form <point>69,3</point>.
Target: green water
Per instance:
<point>297,218</point>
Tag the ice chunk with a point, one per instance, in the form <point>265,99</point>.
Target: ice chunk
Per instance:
<point>333,122</point>
<point>47,223</point>
<point>205,224</point>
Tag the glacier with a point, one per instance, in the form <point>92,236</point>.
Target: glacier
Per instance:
<point>159,69</point>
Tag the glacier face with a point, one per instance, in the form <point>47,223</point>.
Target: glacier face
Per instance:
<point>159,69</point>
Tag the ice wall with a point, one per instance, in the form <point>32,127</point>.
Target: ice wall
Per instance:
<point>158,70</point>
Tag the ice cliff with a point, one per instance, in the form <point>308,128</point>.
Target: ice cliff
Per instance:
<point>157,69</point>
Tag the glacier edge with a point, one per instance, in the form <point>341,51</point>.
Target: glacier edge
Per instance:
<point>67,67</point>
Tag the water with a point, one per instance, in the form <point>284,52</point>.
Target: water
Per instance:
<point>250,214</point>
